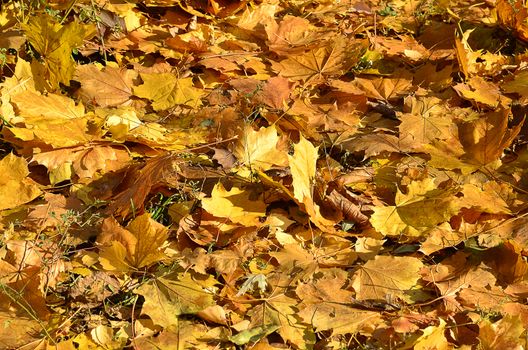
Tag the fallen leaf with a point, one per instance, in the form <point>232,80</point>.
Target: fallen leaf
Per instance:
<point>423,207</point>
<point>55,42</point>
<point>260,150</point>
<point>105,87</point>
<point>168,297</point>
<point>235,205</point>
<point>136,247</point>
<point>166,90</point>
<point>387,277</point>
<point>317,65</point>
<point>16,187</point>
<point>303,169</point>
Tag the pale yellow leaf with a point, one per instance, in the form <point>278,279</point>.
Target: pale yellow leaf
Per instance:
<point>259,149</point>
<point>386,277</point>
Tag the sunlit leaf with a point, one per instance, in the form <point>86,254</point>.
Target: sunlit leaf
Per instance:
<point>166,90</point>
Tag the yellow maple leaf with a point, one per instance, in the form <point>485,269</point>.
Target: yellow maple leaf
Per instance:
<point>386,277</point>
<point>421,208</point>
<point>54,43</point>
<point>315,66</point>
<point>258,149</point>
<point>16,187</point>
<point>433,338</point>
<point>137,246</point>
<point>339,318</point>
<point>235,205</point>
<point>82,161</point>
<point>166,90</point>
<point>170,296</point>
<point>51,106</point>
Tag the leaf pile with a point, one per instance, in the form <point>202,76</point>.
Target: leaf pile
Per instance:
<point>263,174</point>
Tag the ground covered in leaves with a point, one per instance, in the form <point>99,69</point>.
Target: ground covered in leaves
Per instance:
<point>276,174</point>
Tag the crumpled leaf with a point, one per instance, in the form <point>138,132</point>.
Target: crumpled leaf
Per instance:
<point>138,246</point>
<point>139,182</point>
<point>16,187</point>
<point>166,90</point>
<point>85,162</point>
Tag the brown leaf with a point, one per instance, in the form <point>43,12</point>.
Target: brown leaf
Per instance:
<point>139,182</point>
<point>105,87</point>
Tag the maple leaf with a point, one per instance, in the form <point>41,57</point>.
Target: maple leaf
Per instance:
<point>292,35</point>
<point>481,92</point>
<point>235,205</point>
<point>51,106</point>
<point>340,319</point>
<point>136,247</point>
<point>433,338</point>
<point>139,182</point>
<point>260,150</point>
<point>168,297</point>
<point>503,334</point>
<point>54,120</point>
<point>422,208</point>
<point>485,139</point>
<point>166,90</point>
<point>21,330</point>
<point>16,187</point>
<point>386,89</point>
<point>85,162</point>
<point>21,80</point>
<point>110,86</point>
<point>55,42</point>
<point>425,122</point>
<point>518,85</point>
<point>303,169</point>
<point>513,15</point>
<point>386,277</point>
<point>317,65</point>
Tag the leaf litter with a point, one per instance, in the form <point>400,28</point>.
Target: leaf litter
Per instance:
<point>263,175</point>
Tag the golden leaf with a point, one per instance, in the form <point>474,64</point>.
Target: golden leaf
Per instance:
<point>315,66</point>
<point>386,277</point>
<point>303,168</point>
<point>433,338</point>
<point>259,150</point>
<point>107,87</point>
<point>16,187</point>
<point>235,205</point>
<point>166,90</point>
<point>423,207</point>
<point>168,297</point>
<point>137,246</point>
<point>55,42</point>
